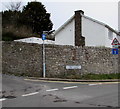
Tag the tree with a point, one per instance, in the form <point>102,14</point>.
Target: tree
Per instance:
<point>10,17</point>
<point>11,28</point>
<point>35,15</point>
<point>32,20</point>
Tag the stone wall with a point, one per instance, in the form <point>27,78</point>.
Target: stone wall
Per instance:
<point>24,58</point>
<point>21,58</point>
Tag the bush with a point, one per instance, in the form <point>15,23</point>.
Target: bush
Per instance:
<point>9,36</point>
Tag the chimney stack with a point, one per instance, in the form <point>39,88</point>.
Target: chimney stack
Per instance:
<point>79,39</point>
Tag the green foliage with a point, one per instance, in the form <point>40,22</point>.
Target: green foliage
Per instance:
<point>34,15</point>
<point>9,36</point>
<point>75,76</point>
<point>102,76</point>
<point>33,18</point>
<point>10,18</point>
<point>91,76</point>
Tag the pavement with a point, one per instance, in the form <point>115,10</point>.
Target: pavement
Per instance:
<point>43,92</point>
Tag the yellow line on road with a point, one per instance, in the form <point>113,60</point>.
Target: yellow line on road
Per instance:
<point>71,82</point>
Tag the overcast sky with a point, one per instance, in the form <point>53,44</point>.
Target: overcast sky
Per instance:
<point>105,11</point>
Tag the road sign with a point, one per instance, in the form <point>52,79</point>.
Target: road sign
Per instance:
<point>43,37</point>
<point>73,67</point>
<point>115,42</point>
<point>115,51</point>
<point>115,46</point>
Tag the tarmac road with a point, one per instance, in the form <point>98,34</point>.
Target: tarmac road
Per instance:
<point>22,92</point>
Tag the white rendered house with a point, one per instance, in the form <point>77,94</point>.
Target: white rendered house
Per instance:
<point>81,30</point>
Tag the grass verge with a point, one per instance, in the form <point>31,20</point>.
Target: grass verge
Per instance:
<point>91,76</point>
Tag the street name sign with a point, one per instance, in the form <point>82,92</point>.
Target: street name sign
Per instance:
<point>73,66</point>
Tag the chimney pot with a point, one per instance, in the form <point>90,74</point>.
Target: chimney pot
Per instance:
<point>80,11</point>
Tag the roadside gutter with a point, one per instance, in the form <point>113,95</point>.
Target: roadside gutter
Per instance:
<point>73,80</point>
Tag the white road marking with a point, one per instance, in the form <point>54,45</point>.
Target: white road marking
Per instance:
<point>2,99</point>
<point>30,94</point>
<point>51,90</point>
<point>70,87</point>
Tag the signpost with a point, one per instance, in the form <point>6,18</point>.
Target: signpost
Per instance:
<point>44,38</point>
<point>115,45</point>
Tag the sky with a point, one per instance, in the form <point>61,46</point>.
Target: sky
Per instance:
<point>119,16</point>
<point>105,11</point>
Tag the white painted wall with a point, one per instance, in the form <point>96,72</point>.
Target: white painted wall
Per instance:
<point>96,34</point>
<point>108,38</point>
<point>93,32</point>
<point>118,37</point>
<point>66,35</point>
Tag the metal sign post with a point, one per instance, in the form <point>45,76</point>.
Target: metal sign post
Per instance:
<point>44,38</point>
